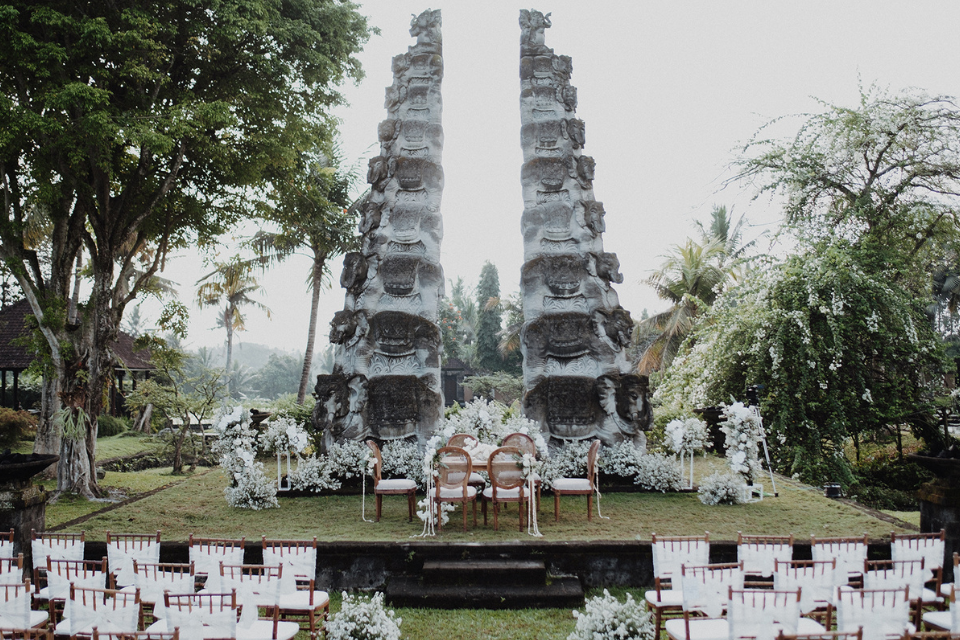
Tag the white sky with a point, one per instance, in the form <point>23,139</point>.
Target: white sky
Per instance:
<point>667,89</point>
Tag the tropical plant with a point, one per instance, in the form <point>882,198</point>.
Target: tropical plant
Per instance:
<point>489,320</point>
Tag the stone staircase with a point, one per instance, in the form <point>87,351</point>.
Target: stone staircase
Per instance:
<point>485,584</point>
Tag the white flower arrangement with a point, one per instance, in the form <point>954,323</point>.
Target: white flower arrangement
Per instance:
<point>606,618</point>
<point>363,618</point>
<point>654,472</point>
<point>657,472</point>
<point>743,432</point>
<point>570,461</point>
<point>424,511</point>
<point>686,436</point>
<point>402,459</point>
<point>313,474</point>
<point>722,488</point>
<point>236,445</point>
<point>490,422</point>
<point>283,435</point>
<point>620,460</point>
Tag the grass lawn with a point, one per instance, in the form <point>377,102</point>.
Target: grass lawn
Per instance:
<point>198,505</point>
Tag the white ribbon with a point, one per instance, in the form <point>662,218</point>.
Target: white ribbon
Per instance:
<point>596,487</point>
<point>15,613</point>
<point>429,527</point>
<point>199,622</point>
<point>106,618</point>
<point>297,562</point>
<point>59,585</point>
<point>250,594</point>
<point>121,560</point>
<point>532,528</point>
<point>152,587</point>
<point>206,560</point>
<point>57,549</point>
<point>763,622</point>
<point>816,585</point>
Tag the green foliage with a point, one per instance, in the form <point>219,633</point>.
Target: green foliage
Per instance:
<point>508,388</point>
<point>489,322</point>
<point>285,406</point>
<point>279,375</point>
<point>15,425</point>
<point>839,352</point>
<point>885,482</point>
<point>108,425</point>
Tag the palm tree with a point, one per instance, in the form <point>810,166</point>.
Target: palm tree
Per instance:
<point>689,279</point>
<point>230,284</point>
<point>723,230</point>
<point>315,218</point>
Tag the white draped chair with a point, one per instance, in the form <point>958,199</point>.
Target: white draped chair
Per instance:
<point>884,614</point>
<point>11,568</point>
<point>931,548</point>
<point>670,553</point>
<point>6,543</point>
<point>817,580</point>
<point>63,573</point>
<point>136,635</point>
<point>947,587</point>
<point>897,574</point>
<point>452,479</point>
<point>706,590</point>
<point>390,486</point>
<point>849,552</point>
<point>300,601</point>
<point>124,548</point>
<point>944,620</point>
<point>153,578</point>
<point>15,608</point>
<point>206,554</point>
<point>826,635</point>
<point>257,586</point>
<point>761,614</point>
<point>37,633</point>
<point>106,609</point>
<point>199,616</point>
<point>760,553</point>
<point>59,546</point>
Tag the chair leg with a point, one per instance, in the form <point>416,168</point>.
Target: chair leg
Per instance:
<point>411,498</point>
<point>439,520</point>
<point>464,516</point>
<point>496,514</point>
<point>483,508</point>
<point>474,513</point>
<point>520,509</point>
<point>657,622</point>
<point>556,507</point>
<point>379,506</point>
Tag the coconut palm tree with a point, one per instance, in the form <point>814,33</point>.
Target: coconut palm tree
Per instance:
<point>230,284</point>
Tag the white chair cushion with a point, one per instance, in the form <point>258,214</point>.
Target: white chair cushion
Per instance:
<point>301,600</point>
<point>263,630</point>
<point>928,596</point>
<point>457,493</point>
<point>396,484</point>
<point>700,628</point>
<point>476,478</point>
<point>937,619</point>
<point>504,494</point>
<point>668,598</point>
<point>571,484</point>
<point>946,588</point>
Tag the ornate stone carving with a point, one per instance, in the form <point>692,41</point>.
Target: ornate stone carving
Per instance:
<point>577,132</point>
<point>607,266</point>
<point>370,216</point>
<point>379,171</point>
<point>426,29</point>
<point>593,216</point>
<point>354,273</point>
<point>532,26</point>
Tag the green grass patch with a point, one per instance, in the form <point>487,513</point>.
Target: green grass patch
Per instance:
<point>126,445</point>
<point>199,505</point>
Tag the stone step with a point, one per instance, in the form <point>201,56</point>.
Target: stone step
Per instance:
<point>484,572</point>
<point>559,593</point>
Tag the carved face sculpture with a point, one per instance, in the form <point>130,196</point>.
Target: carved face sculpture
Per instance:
<point>619,327</point>
<point>562,274</point>
<point>387,131</point>
<point>343,326</point>
<point>399,274</point>
<point>631,399</point>
<point>393,332</point>
<point>405,220</point>
<point>371,216</point>
<point>400,64</point>
<point>567,95</point>
<point>608,267</point>
<point>586,167</point>
<point>426,27</point>
<point>566,335</point>
<point>393,406</point>
<point>593,216</point>
<point>379,171</point>
<point>354,273</point>
<point>572,407</point>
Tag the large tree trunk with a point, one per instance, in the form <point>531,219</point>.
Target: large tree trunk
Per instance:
<point>143,421</point>
<point>48,435</point>
<point>312,333</point>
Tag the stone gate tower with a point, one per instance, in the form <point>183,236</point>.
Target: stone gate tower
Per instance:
<point>575,334</point>
<point>386,380</point>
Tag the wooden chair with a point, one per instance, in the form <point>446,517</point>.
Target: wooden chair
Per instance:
<point>124,548</point>
<point>15,611</point>
<point>882,613</point>
<point>706,592</point>
<point>849,552</point>
<point>206,554</point>
<point>11,568</point>
<point>136,635</point>
<point>466,441</point>
<point>506,483</point>
<point>526,444</point>
<point>153,578</point>
<point>817,580</point>
<point>106,609</point>
<point>26,634</point>
<point>578,486</point>
<point>933,635</point>
<point>947,587</point>
<point>392,486</point>
<point>898,574</point>
<point>670,553</point>
<point>212,615</point>
<point>760,554</point>
<point>6,543</point>
<point>453,482</point>
<point>59,546</point>
<point>826,635</point>
<point>303,604</point>
<point>944,620</point>
<point>62,573</point>
<point>752,613</point>
<point>257,586</point>
<point>931,548</point>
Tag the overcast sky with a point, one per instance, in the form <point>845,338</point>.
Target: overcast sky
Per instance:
<point>668,90</point>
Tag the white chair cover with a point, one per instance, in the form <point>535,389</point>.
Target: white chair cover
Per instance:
<point>152,587</point>
<point>708,592</point>
<point>669,555</point>
<point>120,560</point>
<point>930,550</point>
<point>6,548</point>
<point>817,584</point>
<point>758,559</point>
<point>206,560</point>
<point>762,614</point>
<point>955,618</point>
<point>57,549</point>
<point>9,568</point>
<point>251,593</point>
<point>15,612</point>
<point>901,575</point>
<point>298,562</point>
<point>879,613</point>
<point>83,618</point>
<point>200,623</point>
<point>58,585</point>
<point>849,555</point>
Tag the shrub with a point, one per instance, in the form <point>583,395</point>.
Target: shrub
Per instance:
<point>14,425</point>
<point>606,617</point>
<point>112,426</point>
<point>721,488</point>
<point>363,618</point>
